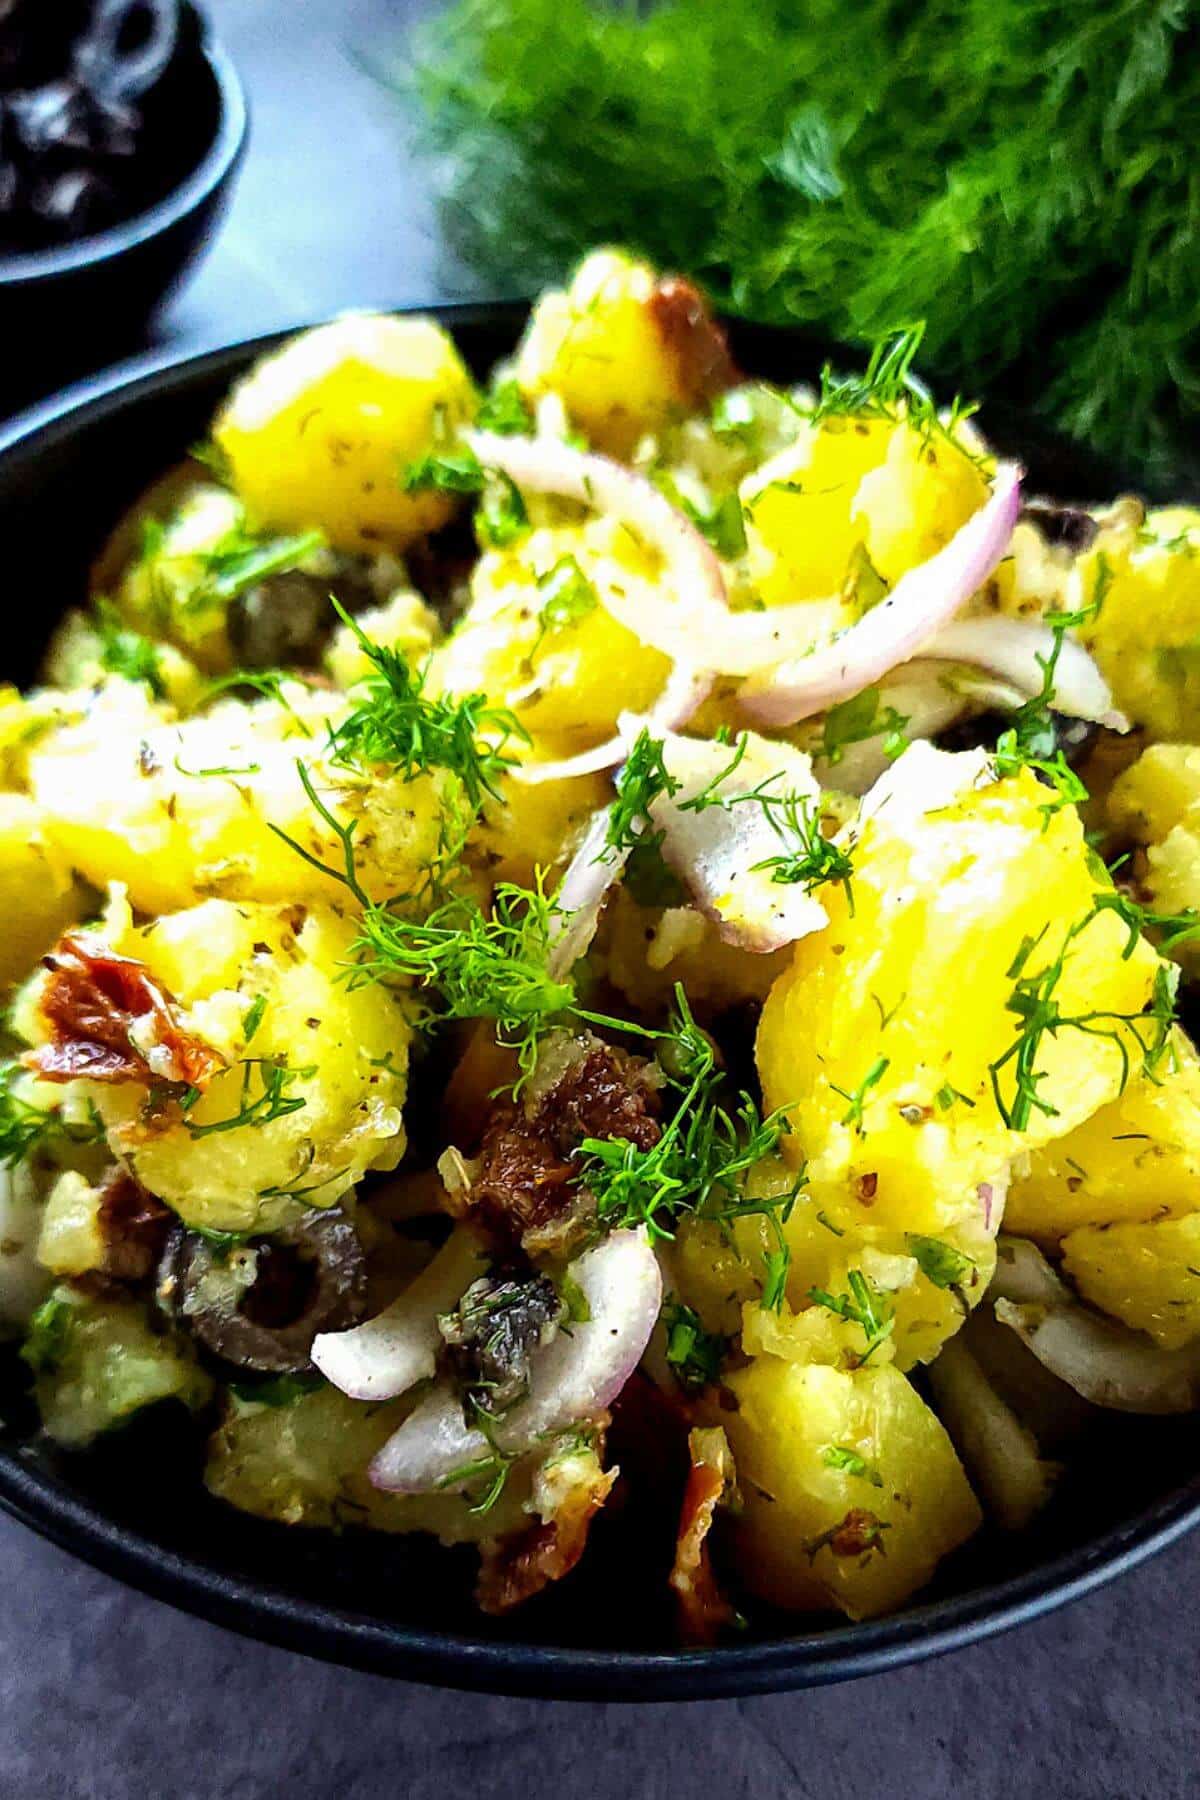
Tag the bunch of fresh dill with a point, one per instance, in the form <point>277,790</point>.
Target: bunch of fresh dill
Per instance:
<point>1017,173</point>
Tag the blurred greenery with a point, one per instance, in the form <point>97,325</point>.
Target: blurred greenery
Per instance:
<point>1021,174</point>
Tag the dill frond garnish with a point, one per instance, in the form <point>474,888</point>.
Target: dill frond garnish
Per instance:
<point>395,722</point>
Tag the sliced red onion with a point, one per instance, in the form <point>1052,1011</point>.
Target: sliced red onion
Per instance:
<point>1018,651</point>
<point>686,691</point>
<point>922,601</point>
<point>1107,1363</point>
<point>1001,1453</point>
<point>1104,1361</point>
<point>718,850</point>
<point>695,587</point>
<point>591,872</point>
<point>389,1354</point>
<point>573,1378</point>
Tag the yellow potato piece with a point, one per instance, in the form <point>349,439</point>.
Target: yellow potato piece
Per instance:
<point>566,674</point>
<point>181,811</point>
<point>1146,1275</point>
<point>850,488</point>
<point>605,346</point>
<point>881,1037</point>
<point>320,433</point>
<point>851,1489</point>
<point>38,898</point>
<point>264,986</point>
<point>1136,1158</point>
<point>646,950</point>
<point>1146,636</point>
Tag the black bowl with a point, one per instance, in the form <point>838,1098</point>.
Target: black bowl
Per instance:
<point>135,1507</point>
<point>103,287</point>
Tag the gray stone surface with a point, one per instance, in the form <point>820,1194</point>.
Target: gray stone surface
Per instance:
<point>105,1695</point>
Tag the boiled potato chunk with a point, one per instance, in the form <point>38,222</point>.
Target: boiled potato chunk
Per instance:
<point>534,825</point>
<point>179,811</point>
<point>625,351</point>
<point>1137,1158</point>
<point>304,1462</point>
<point>1146,635</point>
<point>84,652</point>
<point>852,1491</point>
<point>71,1240</point>
<point>922,1288</point>
<point>97,1362</point>
<point>854,495</point>
<point>404,623</point>
<point>1156,793</point>
<point>1146,1275</point>
<point>646,950</point>
<point>882,1037</point>
<point>263,986</point>
<point>38,897</point>
<point>538,638</point>
<point>320,433</point>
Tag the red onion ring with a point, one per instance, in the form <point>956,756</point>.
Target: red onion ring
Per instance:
<point>1017,650</point>
<point>387,1355</point>
<point>573,1378</point>
<point>922,601</point>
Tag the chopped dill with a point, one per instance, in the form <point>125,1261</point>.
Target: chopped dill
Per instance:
<point>939,1261</point>
<point>848,1460</point>
<point>857,1097</point>
<point>125,652</point>
<point>26,1127</point>
<point>642,778</point>
<point>505,411</point>
<point>569,597</point>
<point>863,1306</point>
<point>696,1356</point>
<point>699,1164</point>
<point>858,720</point>
<point>273,1101</point>
<point>396,722</point>
<point>502,517</point>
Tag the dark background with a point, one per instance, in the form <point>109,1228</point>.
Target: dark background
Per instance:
<point>106,1694</point>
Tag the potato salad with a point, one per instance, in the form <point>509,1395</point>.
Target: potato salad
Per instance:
<point>606,901</point>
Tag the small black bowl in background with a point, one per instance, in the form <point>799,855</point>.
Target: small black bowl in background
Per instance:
<point>135,1506</point>
<point>64,304</point>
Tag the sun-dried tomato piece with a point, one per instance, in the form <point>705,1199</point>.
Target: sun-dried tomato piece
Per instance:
<point>134,1226</point>
<point>704,367</point>
<point>515,1568</point>
<point>522,1185</point>
<point>704,1611</point>
<point>109,1020</point>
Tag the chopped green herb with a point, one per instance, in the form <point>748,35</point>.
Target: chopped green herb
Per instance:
<point>49,1330</point>
<point>696,1355</point>
<point>253,1017</point>
<point>26,1126</point>
<point>854,1113</point>
<point>569,597</point>
<point>127,653</point>
<point>841,1456</point>
<point>397,723</point>
<point>857,721</point>
<point>505,411</point>
<point>273,1101</point>
<point>939,1261</point>
<point>502,517</point>
<point>456,471</point>
<point>863,1306</point>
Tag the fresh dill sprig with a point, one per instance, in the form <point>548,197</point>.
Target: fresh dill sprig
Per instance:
<point>502,516</point>
<point>396,723</point>
<point>888,389</point>
<point>642,778</point>
<point>1033,1001</point>
<point>940,1262</point>
<point>699,1164</point>
<point>273,1100</point>
<point>26,1127</point>
<point>849,1462</point>
<point>125,652</point>
<point>696,1356</point>
<point>858,720</point>
<point>864,1306</point>
<point>455,470</point>
<point>475,967</point>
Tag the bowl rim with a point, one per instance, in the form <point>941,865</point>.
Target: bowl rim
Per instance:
<point>261,1609</point>
<point>214,168</point>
